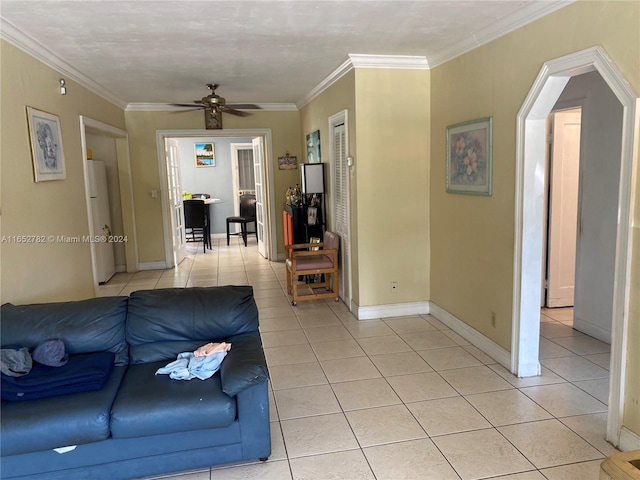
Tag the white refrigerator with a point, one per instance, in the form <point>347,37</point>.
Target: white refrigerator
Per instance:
<point>99,193</point>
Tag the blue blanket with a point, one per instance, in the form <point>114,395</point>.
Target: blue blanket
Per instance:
<point>83,373</point>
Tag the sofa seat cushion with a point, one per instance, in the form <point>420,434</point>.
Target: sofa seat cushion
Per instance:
<point>149,404</point>
<point>60,421</point>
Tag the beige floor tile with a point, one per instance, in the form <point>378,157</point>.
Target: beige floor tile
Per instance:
<point>435,322</point>
<point>556,330</point>
<point>564,399</point>
<point>270,470</point>
<point>199,474</point>
<point>316,435</point>
<point>601,359</point>
<point>479,354</point>
<point>337,349</point>
<point>421,386</point>
<point>448,358</point>
<point>347,369</point>
<point>278,452</point>
<point>550,349</point>
<point>561,446</point>
<point>481,454</point>
<point>279,323</point>
<point>357,394</point>
<point>349,465</point>
<point>382,345</point>
<point>310,320</point>
<point>558,314</point>
<point>369,328</point>
<point>288,355</point>
<point>596,388</point>
<point>575,368</point>
<point>268,293</point>
<point>273,408</point>
<point>347,317</point>
<point>403,363</point>
<point>583,345</point>
<point>408,324</point>
<point>475,380</point>
<point>412,460</point>
<point>593,428</point>
<point>276,312</point>
<point>377,426</point>
<point>458,339</point>
<point>306,401</point>
<point>266,286</point>
<point>447,415</point>
<point>327,334</point>
<point>298,375</point>
<point>545,378</point>
<point>533,475</point>
<point>284,338</point>
<point>427,340</point>
<point>582,471</point>
<point>507,407</point>
<point>273,301</point>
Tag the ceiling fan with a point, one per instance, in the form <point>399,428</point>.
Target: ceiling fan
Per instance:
<point>213,106</point>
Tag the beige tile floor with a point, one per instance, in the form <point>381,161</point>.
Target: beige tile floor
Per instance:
<point>403,398</point>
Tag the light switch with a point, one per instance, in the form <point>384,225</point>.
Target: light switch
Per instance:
<point>154,193</point>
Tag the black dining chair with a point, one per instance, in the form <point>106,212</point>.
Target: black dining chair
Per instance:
<point>247,215</point>
<point>195,222</point>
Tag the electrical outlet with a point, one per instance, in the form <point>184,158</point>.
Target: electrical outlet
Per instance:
<point>493,319</point>
<point>394,287</point>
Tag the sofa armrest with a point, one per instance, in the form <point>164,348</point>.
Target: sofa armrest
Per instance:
<point>245,364</point>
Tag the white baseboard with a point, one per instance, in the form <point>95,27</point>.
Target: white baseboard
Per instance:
<point>390,310</point>
<point>628,440</point>
<point>152,266</point>
<point>592,330</point>
<point>488,346</point>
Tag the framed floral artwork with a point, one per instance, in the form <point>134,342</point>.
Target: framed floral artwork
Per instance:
<point>470,157</point>
<point>46,145</point>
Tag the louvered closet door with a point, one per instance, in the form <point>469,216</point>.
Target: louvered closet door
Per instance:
<point>175,201</point>
<point>341,205</point>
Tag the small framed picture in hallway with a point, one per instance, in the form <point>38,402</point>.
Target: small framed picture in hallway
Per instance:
<point>470,157</point>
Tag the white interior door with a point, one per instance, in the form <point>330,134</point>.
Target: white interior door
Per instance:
<point>340,200</point>
<point>258,160</point>
<point>563,208</point>
<point>174,181</point>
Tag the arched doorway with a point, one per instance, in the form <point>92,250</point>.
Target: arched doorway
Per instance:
<point>530,165</point>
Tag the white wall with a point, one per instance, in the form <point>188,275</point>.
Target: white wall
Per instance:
<point>598,203</point>
<point>216,181</point>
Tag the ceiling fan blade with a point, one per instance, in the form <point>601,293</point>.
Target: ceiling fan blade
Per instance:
<point>245,106</point>
<point>233,111</point>
<point>194,105</point>
<point>188,110</point>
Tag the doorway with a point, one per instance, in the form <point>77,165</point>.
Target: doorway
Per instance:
<point>530,154</point>
<point>261,142</point>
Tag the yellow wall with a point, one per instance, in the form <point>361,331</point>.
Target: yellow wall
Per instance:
<point>51,271</point>
<point>392,114</point>
<point>389,140</point>
<point>142,127</point>
<point>472,237</point>
<point>314,116</point>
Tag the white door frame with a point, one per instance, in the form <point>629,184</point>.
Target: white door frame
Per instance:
<point>530,166</point>
<point>126,191</point>
<point>265,134</point>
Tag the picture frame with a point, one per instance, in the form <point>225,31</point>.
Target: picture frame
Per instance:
<point>45,137</point>
<point>287,162</point>
<point>205,155</point>
<point>470,157</point>
<point>313,147</point>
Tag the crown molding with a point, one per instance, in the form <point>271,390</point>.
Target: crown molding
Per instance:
<point>523,16</point>
<point>409,62</point>
<point>168,107</point>
<point>364,61</point>
<point>18,39</point>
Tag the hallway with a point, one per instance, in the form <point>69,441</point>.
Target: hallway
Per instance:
<point>404,397</point>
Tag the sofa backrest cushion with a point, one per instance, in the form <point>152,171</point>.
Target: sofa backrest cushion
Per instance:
<point>164,322</point>
<point>85,326</point>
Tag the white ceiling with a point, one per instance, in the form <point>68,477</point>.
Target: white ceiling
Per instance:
<point>266,52</point>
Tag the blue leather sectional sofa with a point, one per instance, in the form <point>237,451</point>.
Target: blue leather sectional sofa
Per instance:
<point>139,423</point>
